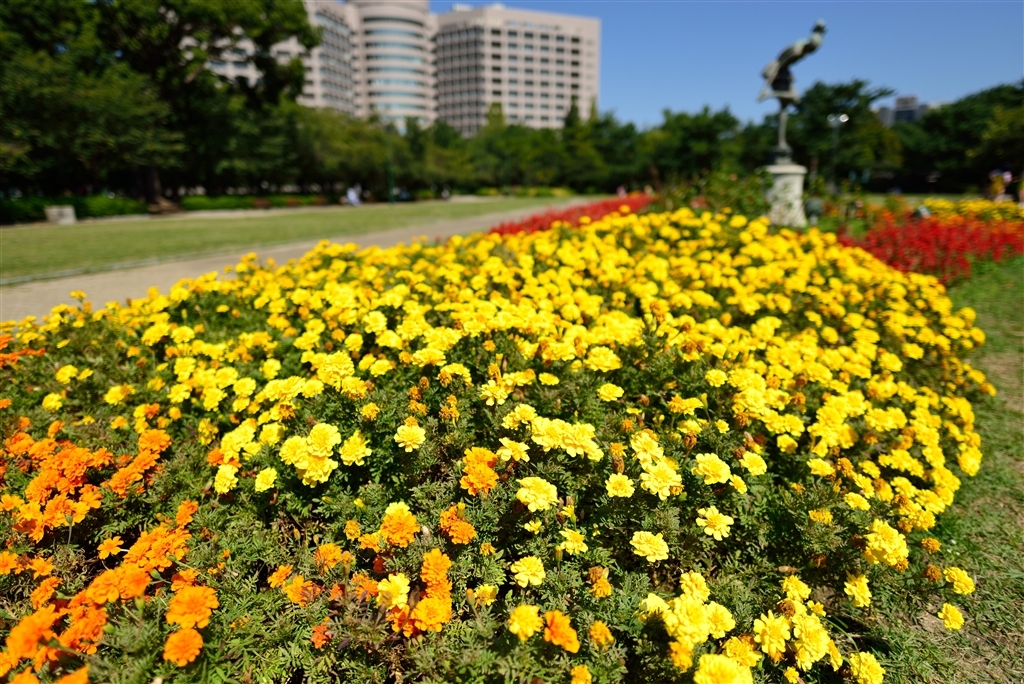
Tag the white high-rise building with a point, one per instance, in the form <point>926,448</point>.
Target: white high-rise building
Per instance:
<point>396,60</point>
<point>531,63</point>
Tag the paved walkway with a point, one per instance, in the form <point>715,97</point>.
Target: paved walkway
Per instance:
<point>38,297</point>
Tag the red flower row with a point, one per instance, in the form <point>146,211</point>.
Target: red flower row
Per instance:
<point>942,247</point>
<point>572,215</point>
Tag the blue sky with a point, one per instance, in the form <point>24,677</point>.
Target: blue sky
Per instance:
<point>686,54</point>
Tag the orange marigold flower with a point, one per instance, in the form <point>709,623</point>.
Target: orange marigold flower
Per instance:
<point>559,631</point>
<point>132,581</point>
<point>399,617</point>
<point>327,557</point>
<point>300,591</point>
<point>23,640</point>
<point>337,591</point>
<point>601,635</point>
<point>44,591</point>
<point>110,547</point>
<point>434,573</point>
<point>457,529</point>
<point>103,588</point>
<point>154,440</point>
<point>183,647</point>
<point>370,541</point>
<point>399,526</point>
<point>479,479</point>
<point>40,567</point>
<point>85,630</point>
<point>8,563</point>
<point>25,677</point>
<point>192,607</point>
<point>186,509</point>
<point>431,613</point>
<point>279,576</point>
<point>365,587</point>
<point>184,578</point>
<point>321,635</point>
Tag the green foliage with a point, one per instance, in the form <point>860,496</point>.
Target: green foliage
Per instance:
<point>33,209</point>
<point>936,147</point>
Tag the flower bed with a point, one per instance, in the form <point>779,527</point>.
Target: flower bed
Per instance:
<point>945,247</point>
<point>643,447</point>
<point>573,215</point>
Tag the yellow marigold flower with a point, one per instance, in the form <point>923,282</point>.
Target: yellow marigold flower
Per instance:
<point>857,502</point>
<point>951,616</point>
<point>486,594</point>
<point>410,437</point>
<point>821,515</point>
<point>53,402</point>
<point>525,621</point>
<point>534,526</point>
<point>65,374</point>
<point>516,451</point>
<point>601,635</point>
<point>961,581</point>
<point>352,530</point>
<point>528,570</point>
<point>661,478</point>
<point>857,589</point>
<point>865,668</point>
<point>715,377</point>
<point>538,494</point>
<point>574,542</point>
<point>772,632</point>
<point>795,588</point>
<point>619,485</point>
<point>580,675</point>
<point>743,650</point>
<point>322,439</point>
<point>609,392</point>
<point>713,469</point>
<point>354,449</point>
<point>265,479</point>
<point>714,668</point>
<point>714,523</point>
<point>369,411</point>
<point>721,426</point>
<point>393,592</point>
<point>548,379</point>
<point>487,549</point>
<point>820,467</point>
<point>753,463</point>
<point>650,546</point>
<point>791,675</point>
<point>225,480</point>
<point>602,359</point>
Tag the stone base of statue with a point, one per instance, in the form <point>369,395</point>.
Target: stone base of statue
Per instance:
<point>787,195</point>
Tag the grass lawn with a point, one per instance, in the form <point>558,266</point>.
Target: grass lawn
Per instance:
<point>984,531</point>
<point>42,249</point>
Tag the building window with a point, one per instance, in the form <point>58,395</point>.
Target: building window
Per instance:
<point>545,118</point>
<point>513,46</point>
<point>529,117</point>
<point>513,93</point>
<point>513,81</point>
<point>528,34</point>
<point>559,62</point>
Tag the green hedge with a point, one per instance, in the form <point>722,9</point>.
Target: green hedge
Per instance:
<point>205,203</point>
<point>30,209</point>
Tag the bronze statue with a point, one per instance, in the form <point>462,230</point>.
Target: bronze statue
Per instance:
<point>778,82</point>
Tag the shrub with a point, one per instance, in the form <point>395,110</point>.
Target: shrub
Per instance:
<point>221,202</point>
<point>655,446</point>
<point>33,209</point>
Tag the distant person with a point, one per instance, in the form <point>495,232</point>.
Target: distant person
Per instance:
<point>446,193</point>
<point>997,185</point>
<point>352,197</point>
<point>621,191</point>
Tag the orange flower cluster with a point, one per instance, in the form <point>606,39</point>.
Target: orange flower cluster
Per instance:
<point>60,491</point>
<point>151,444</point>
<point>434,608</point>
<point>301,591</point>
<point>478,464</point>
<point>453,525</point>
<point>328,556</point>
<point>11,358</point>
<point>86,612</point>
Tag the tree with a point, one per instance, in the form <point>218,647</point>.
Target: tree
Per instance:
<point>1002,143</point>
<point>935,147</point>
<point>71,114</point>
<point>864,143</point>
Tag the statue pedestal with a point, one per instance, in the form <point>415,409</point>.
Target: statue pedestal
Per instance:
<point>787,195</point>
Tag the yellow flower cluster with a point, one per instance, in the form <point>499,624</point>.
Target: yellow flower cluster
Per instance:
<point>677,363</point>
<point>978,208</point>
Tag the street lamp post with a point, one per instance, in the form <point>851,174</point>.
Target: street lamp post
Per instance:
<point>835,121</point>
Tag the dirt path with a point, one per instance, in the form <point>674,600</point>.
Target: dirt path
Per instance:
<point>38,297</point>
